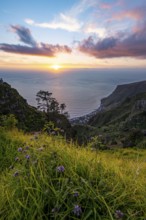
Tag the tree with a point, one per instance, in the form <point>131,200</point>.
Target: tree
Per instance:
<point>62,107</point>
<point>49,104</point>
<point>54,106</point>
<point>44,100</point>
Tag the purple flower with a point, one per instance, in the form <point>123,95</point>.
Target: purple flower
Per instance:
<point>119,214</point>
<point>77,210</point>
<point>20,149</point>
<point>60,169</point>
<point>27,157</point>
<point>16,173</point>
<point>76,194</point>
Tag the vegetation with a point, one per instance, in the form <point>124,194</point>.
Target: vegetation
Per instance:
<point>30,118</point>
<point>123,125</point>
<point>91,176</point>
<point>49,104</point>
<point>126,112</point>
<point>44,177</point>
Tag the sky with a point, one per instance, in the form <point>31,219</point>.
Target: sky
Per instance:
<point>62,34</point>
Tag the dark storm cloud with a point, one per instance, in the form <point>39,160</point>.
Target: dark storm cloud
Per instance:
<point>34,48</point>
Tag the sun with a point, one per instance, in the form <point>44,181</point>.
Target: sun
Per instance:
<point>56,67</point>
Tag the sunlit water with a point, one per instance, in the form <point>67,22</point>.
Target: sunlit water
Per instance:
<point>81,89</point>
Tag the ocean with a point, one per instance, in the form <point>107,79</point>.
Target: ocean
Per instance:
<point>80,89</point>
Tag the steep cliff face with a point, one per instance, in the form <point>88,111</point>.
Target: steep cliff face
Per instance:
<point>121,93</point>
<point>126,105</point>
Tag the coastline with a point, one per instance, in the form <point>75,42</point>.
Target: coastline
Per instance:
<point>82,120</point>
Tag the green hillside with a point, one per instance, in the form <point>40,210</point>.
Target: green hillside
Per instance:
<point>126,112</point>
<point>29,118</point>
<point>44,177</point>
<point>88,176</point>
<point>123,124</point>
<point>122,92</point>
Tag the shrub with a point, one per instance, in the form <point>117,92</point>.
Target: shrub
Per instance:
<point>9,121</point>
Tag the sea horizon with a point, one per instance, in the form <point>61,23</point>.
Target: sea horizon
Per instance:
<point>80,89</point>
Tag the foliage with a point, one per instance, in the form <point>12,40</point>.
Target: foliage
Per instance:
<point>49,104</point>
<point>8,121</point>
<point>125,114</point>
<point>47,178</point>
<point>142,144</point>
<point>28,117</point>
<point>50,128</point>
<point>96,143</point>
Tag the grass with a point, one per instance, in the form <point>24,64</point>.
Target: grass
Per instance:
<point>99,182</point>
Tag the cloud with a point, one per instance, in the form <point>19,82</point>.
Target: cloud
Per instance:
<point>64,22</point>
<point>92,29</point>
<point>81,7</point>
<point>133,45</point>
<point>44,49</point>
<point>135,13</point>
<point>105,6</point>
<point>34,48</point>
<point>24,34</point>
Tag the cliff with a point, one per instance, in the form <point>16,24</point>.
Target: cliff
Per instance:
<point>126,105</point>
<point>121,93</point>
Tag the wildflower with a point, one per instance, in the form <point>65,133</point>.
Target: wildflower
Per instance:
<point>27,157</point>
<point>20,149</point>
<point>76,194</point>
<point>16,173</point>
<point>16,158</point>
<point>77,210</point>
<point>60,169</point>
<point>119,214</point>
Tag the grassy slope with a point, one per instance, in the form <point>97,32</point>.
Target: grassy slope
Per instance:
<point>106,181</point>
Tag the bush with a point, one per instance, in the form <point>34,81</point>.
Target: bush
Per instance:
<point>142,144</point>
<point>9,121</point>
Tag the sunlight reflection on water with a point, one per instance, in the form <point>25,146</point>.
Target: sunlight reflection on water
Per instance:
<point>80,89</point>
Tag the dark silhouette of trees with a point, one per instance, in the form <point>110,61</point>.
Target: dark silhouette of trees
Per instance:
<point>48,104</point>
<point>62,107</point>
<point>43,100</point>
